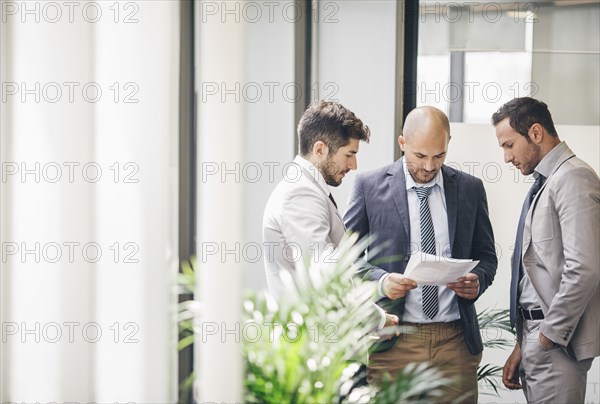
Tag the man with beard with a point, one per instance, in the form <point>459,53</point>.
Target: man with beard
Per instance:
<point>414,205</point>
<point>301,219</point>
<point>554,294</point>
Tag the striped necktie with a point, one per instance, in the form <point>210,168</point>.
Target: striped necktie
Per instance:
<point>430,292</point>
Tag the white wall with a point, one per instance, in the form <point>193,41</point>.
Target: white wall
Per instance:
<point>269,123</point>
<point>566,62</point>
<point>357,55</point>
<point>355,66</point>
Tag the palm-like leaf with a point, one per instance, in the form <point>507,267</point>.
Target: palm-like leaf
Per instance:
<point>495,328</point>
<point>186,279</point>
<point>498,318</point>
<point>186,312</point>
<point>307,339</point>
<point>417,383</point>
<point>332,315</point>
<point>306,348</point>
<point>489,376</point>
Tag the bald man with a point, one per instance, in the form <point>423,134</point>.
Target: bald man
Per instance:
<point>415,205</point>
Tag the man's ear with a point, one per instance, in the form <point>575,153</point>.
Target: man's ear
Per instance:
<point>536,133</point>
<point>401,142</point>
<point>320,149</point>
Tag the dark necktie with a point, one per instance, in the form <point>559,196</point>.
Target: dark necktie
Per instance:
<point>517,263</point>
<point>332,200</point>
<point>430,292</point>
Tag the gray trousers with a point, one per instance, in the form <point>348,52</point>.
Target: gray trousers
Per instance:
<point>550,376</point>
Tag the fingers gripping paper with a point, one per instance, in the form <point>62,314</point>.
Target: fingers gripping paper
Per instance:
<point>427,269</point>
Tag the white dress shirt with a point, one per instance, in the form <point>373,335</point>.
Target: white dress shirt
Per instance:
<point>448,303</point>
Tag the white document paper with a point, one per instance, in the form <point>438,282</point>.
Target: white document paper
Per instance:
<point>427,269</point>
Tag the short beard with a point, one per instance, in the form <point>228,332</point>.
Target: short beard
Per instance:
<point>536,157</point>
<point>329,170</point>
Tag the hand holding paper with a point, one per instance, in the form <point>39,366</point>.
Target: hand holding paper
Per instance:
<point>395,286</point>
<point>427,269</point>
<point>467,286</point>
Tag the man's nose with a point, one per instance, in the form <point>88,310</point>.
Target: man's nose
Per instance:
<point>429,165</point>
<point>353,164</point>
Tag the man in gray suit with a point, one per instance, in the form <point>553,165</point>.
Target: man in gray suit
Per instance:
<point>301,219</point>
<point>555,297</point>
<point>419,204</point>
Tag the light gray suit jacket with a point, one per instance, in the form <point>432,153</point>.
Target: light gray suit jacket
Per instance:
<point>299,222</point>
<point>561,252</point>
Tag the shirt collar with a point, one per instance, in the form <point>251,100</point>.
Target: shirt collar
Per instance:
<point>314,171</point>
<point>548,162</point>
<point>410,182</point>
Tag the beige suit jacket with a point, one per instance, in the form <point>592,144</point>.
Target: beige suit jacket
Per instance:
<point>561,253</point>
<point>300,222</point>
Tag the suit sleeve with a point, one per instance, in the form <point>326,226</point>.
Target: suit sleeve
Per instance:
<point>484,248</point>
<point>577,204</point>
<point>357,221</point>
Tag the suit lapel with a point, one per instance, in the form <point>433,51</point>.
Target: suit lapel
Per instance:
<point>567,154</point>
<point>340,220</point>
<point>451,193</point>
<point>397,183</point>
<point>321,190</point>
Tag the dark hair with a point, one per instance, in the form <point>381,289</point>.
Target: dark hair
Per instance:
<point>523,113</point>
<point>331,123</point>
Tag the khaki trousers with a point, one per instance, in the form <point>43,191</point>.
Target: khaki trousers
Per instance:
<point>442,345</point>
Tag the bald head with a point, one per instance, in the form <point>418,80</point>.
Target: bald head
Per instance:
<point>424,142</point>
<point>426,120</point>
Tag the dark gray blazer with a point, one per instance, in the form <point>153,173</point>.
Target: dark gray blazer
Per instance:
<point>379,207</point>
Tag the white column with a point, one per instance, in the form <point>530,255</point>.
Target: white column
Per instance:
<point>43,210</point>
<point>137,63</point>
<point>91,113</point>
<point>220,63</point>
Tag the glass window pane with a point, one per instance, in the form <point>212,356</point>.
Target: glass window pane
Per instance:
<point>493,78</point>
<point>506,49</point>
